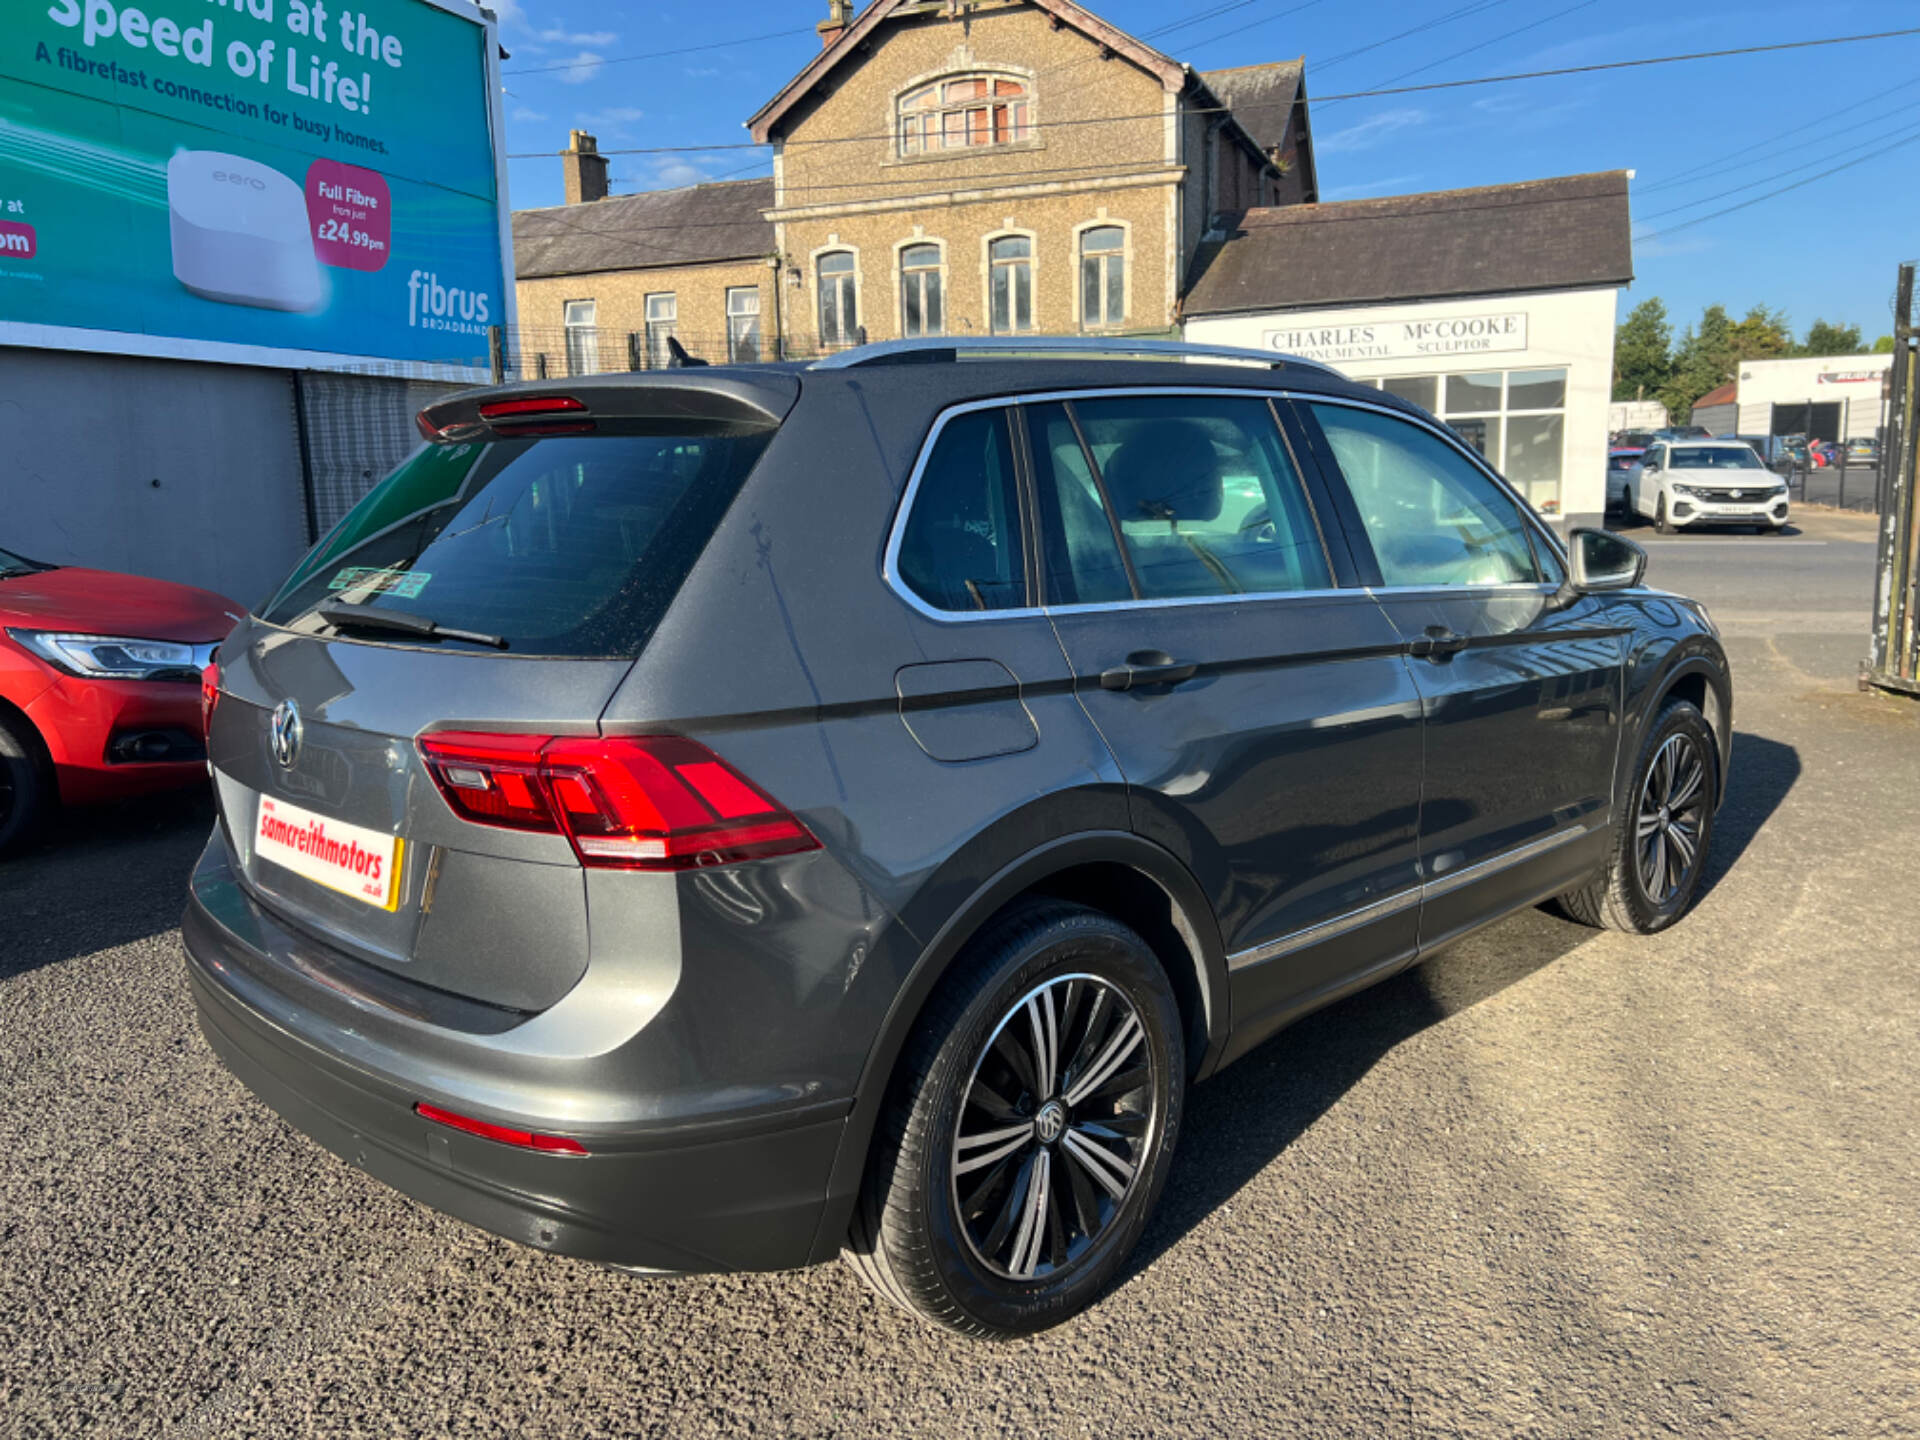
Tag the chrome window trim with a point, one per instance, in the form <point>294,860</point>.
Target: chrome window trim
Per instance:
<point>889,567</point>
<point>1402,900</point>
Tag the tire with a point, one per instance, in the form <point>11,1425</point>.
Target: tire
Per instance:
<point>1661,524</point>
<point>1622,895</point>
<point>26,785</point>
<point>978,1264</point>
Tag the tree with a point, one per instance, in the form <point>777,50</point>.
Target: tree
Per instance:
<point>1641,344</point>
<point>1762,335</point>
<point>1884,345</point>
<point>1825,339</point>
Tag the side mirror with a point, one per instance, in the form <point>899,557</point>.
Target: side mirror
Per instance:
<point>1599,560</point>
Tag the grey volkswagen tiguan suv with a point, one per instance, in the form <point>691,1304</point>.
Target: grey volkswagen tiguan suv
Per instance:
<point>723,818</point>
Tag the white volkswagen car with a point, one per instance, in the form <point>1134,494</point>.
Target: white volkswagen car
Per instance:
<point>1698,483</point>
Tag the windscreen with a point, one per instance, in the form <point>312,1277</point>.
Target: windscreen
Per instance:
<point>1719,457</point>
<point>562,546</point>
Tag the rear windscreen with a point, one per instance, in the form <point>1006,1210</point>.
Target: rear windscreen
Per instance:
<point>563,546</point>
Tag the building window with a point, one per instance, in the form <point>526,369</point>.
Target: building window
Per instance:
<point>1011,261</point>
<point>743,324</point>
<point>964,111</point>
<point>583,340</point>
<point>1103,276</point>
<point>922,307</point>
<point>839,311</point>
<point>663,312</point>
<point>1515,418</point>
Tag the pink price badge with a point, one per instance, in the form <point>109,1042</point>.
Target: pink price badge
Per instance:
<point>350,212</point>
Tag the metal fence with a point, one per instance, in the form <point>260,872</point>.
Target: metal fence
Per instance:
<point>1894,660</point>
<point>551,352</point>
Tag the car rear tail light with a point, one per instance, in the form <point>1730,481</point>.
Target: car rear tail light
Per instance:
<point>650,802</point>
<point>505,1135</point>
<point>209,695</point>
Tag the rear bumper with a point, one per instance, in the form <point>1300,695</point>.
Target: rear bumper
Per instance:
<point>718,1196</point>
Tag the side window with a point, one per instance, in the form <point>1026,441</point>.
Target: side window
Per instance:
<point>1199,488</point>
<point>1432,517</point>
<point>1083,557</point>
<point>961,548</point>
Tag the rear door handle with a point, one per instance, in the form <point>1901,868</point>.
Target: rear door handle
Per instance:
<point>1146,667</point>
<point>1439,643</point>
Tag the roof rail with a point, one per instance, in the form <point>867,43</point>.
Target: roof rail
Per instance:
<point>934,350</point>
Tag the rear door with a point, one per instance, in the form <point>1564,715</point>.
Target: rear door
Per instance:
<point>555,554</point>
<point>1259,709</point>
<point>1522,694</point>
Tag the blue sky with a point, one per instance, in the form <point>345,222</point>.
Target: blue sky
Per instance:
<point>1690,131</point>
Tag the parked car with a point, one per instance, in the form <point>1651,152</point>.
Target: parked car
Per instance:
<point>1706,483</point>
<point>1620,463</point>
<point>1633,440</point>
<point>1683,432</point>
<point>1863,450</point>
<point>714,818</point>
<point>99,687</point>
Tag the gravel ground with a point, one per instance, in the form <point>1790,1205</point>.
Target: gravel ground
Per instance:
<point>1552,1183</point>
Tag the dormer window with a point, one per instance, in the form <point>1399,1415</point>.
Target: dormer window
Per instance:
<point>964,111</point>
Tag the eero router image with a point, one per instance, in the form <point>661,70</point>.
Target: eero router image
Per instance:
<point>240,232</point>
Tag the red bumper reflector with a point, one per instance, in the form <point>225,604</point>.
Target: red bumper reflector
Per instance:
<point>521,1139</point>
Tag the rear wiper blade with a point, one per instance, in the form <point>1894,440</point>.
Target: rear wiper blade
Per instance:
<point>342,615</point>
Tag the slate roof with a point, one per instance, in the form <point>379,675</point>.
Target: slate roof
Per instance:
<point>1564,233</point>
<point>689,226</point>
<point>1260,96</point>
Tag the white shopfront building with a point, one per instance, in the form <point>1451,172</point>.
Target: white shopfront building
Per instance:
<point>1524,375</point>
<point>1840,397</point>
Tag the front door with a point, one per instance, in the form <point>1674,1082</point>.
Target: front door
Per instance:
<point>1261,712</point>
<point>1522,695</point>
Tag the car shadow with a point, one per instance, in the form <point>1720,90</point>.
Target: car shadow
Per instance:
<point>1241,1120</point>
<point>100,876</point>
<point>1761,774</point>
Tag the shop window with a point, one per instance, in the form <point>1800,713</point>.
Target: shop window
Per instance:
<point>839,309</point>
<point>743,324</point>
<point>1103,276</point>
<point>583,338</point>
<point>663,312</point>
<point>1421,390</point>
<point>922,305</point>
<point>961,112</point>
<point>1011,261</point>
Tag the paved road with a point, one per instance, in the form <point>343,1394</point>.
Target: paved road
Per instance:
<point>1550,1184</point>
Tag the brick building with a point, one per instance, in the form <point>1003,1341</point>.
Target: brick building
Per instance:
<point>940,167</point>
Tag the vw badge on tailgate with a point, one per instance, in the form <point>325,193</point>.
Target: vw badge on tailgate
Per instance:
<point>286,733</point>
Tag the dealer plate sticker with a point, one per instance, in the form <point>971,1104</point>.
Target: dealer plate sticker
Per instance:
<point>355,861</point>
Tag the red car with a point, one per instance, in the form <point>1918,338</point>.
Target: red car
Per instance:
<point>99,686</point>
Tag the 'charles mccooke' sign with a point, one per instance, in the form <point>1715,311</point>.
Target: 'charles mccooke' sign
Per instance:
<point>1404,339</point>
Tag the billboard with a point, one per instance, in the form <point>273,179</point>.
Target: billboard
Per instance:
<point>286,182</point>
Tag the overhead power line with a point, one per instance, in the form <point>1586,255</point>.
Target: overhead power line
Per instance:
<point>1796,185</point>
<point>1159,115</point>
<point>1872,141</point>
<point>596,62</point>
<point>1706,167</point>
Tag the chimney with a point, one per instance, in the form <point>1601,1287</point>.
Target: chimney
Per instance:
<point>586,169</point>
<point>839,16</point>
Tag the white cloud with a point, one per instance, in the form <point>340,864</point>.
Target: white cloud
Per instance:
<point>581,68</point>
<point>675,173</point>
<point>1392,185</point>
<point>560,36</point>
<point>703,74</point>
<point>530,116</point>
<point>509,12</point>
<point>1371,132</point>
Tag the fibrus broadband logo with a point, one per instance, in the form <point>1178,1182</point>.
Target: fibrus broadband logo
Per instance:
<point>17,241</point>
<point>433,306</point>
